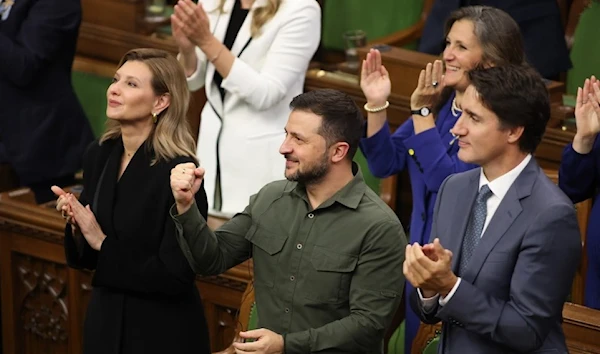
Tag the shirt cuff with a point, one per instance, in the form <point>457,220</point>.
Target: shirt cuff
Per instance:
<point>444,299</point>
<point>428,303</point>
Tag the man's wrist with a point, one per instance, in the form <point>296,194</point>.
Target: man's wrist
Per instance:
<point>182,208</point>
<point>448,287</point>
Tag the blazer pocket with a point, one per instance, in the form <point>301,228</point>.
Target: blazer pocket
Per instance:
<point>266,251</point>
<point>330,275</point>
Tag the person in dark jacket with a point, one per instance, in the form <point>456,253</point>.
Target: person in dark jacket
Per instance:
<point>43,129</point>
<point>144,299</point>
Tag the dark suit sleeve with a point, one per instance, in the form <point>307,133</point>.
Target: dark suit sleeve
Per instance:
<point>429,317</point>
<point>544,270</point>
<point>49,23</point>
<point>128,266</point>
<point>578,173</point>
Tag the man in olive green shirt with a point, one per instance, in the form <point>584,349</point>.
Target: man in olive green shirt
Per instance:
<point>327,251</point>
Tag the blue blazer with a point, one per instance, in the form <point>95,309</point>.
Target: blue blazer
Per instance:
<point>511,295</point>
<point>540,24</point>
<point>42,125</point>
<point>430,158</point>
<point>579,177</point>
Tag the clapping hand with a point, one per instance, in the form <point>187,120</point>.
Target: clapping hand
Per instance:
<point>189,20</point>
<point>429,268</point>
<point>587,109</point>
<point>374,80</point>
<point>429,86</point>
<point>186,179</point>
<point>62,204</point>
<point>87,223</point>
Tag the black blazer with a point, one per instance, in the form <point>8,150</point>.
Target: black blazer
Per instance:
<point>42,125</point>
<point>144,298</point>
<point>540,24</point>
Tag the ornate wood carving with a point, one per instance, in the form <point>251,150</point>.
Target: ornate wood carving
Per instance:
<point>42,290</point>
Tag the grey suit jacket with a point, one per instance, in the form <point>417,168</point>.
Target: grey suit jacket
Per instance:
<point>511,296</point>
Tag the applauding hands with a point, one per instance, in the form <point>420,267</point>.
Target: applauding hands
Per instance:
<point>82,218</point>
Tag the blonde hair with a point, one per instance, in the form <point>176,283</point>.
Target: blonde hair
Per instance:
<point>171,135</point>
<point>261,15</point>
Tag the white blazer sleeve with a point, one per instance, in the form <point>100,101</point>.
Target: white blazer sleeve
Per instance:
<point>198,77</point>
<point>286,60</point>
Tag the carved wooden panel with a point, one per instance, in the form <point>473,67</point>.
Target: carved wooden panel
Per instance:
<point>40,302</point>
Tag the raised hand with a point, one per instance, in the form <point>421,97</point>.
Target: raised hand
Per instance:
<point>587,115</point>
<point>183,42</point>
<point>429,86</point>
<point>87,223</point>
<point>62,204</point>
<point>186,179</point>
<point>191,20</point>
<point>374,80</point>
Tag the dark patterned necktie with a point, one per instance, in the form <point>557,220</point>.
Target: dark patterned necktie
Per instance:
<point>474,227</point>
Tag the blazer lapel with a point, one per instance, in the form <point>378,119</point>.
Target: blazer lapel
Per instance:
<point>461,217</point>
<point>244,35</point>
<point>106,188</point>
<point>507,212</point>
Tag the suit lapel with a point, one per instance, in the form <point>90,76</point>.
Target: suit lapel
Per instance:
<point>507,212</point>
<point>461,217</point>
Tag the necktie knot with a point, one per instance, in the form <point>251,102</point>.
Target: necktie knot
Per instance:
<point>484,193</point>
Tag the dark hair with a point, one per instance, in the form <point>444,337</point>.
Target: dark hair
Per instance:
<point>342,120</point>
<point>518,95</point>
<point>497,33</point>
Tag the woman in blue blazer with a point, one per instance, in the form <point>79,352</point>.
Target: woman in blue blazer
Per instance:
<point>579,174</point>
<point>475,36</point>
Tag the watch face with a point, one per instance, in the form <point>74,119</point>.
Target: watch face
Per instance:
<point>424,111</point>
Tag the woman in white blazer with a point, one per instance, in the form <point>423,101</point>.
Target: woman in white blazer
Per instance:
<point>251,56</point>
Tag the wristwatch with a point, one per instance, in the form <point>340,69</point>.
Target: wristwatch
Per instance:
<point>423,111</point>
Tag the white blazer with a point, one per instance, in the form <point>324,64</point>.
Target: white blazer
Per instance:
<point>241,136</point>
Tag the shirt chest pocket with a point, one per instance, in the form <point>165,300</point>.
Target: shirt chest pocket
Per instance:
<point>330,275</point>
<point>266,252</point>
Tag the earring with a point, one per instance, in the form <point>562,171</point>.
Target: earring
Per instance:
<point>154,117</point>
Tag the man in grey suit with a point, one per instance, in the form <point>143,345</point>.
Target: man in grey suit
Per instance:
<point>505,239</point>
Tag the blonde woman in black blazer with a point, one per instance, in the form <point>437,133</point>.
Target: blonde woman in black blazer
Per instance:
<point>144,298</point>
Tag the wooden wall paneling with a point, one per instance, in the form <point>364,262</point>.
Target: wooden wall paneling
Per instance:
<point>109,44</point>
<point>118,14</point>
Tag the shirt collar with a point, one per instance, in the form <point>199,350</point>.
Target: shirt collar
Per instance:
<point>350,195</point>
<point>501,185</point>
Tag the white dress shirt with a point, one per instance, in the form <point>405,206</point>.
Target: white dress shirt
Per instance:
<point>499,188</point>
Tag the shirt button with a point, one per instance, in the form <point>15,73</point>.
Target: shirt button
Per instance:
<point>311,215</point>
<point>292,278</point>
<point>299,246</point>
<point>287,310</point>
